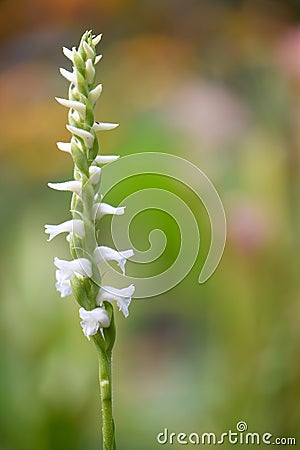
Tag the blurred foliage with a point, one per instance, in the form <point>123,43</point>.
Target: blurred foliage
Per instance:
<point>218,83</point>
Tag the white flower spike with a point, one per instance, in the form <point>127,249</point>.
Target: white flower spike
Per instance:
<point>103,253</point>
<point>82,276</point>
<point>75,226</point>
<point>121,296</point>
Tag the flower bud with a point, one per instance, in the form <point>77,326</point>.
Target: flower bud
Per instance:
<point>90,71</point>
<point>88,50</point>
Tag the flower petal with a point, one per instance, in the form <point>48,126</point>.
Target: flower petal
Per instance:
<point>121,296</point>
<point>79,266</point>
<point>95,173</point>
<point>89,71</point>
<point>88,50</point>
<point>96,39</point>
<point>93,320</point>
<point>68,53</point>
<point>83,134</point>
<point>62,284</point>
<point>103,253</point>
<point>64,146</point>
<point>78,106</point>
<point>95,94</point>
<point>98,58</point>
<point>104,126</point>
<point>101,209</point>
<point>104,159</point>
<point>75,226</point>
<point>70,76</point>
<point>73,186</point>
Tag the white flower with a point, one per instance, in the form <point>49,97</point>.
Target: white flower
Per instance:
<point>95,94</point>
<point>95,173</point>
<point>63,285</point>
<point>102,126</point>
<point>104,159</point>
<point>78,106</point>
<point>104,253</point>
<point>121,296</point>
<point>101,209</point>
<point>88,50</point>
<point>83,134</point>
<point>67,269</point>
<point>80,266</point>
<point>70,76</point>
<point>64,146</point>
<point>69,53</point>
<point>72,186</point>
<point>96,39</point>
<point>93,320</point>
<point>97,59</point>
<point>75,115</point>
<point>75,226</point>
<point>89,71</point>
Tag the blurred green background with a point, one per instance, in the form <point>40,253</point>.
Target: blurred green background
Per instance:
<point>218,83</point>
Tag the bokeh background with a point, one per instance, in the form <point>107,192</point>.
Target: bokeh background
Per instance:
<point>218,83</point>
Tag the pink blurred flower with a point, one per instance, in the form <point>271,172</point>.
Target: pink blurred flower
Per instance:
<point>288,53</point>
<point>208,111</point>
<point>249,227</point>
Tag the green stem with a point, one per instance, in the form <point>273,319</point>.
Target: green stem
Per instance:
<point>105,380</point>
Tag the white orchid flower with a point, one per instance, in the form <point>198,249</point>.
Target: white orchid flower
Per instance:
<point>101,209</point>
<point>103,253</point>
<point>96,39</point>
<point>64,146</point>
<point>72,186</point>
<point>63,285</point>
<point>104,126</point>
<point>121,296</point>
<point>87,137</point>
<point>69,53</point>
<point>93,320</point>
<point>70,76</point>
<point>95,94</point>
<point>75,226</point>
<point>67,269</point>
<point>95,174</point>
<point>104,159</point>
<point>74,104</point>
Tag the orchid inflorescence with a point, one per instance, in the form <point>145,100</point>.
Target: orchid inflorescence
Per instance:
<point>82,276</point>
